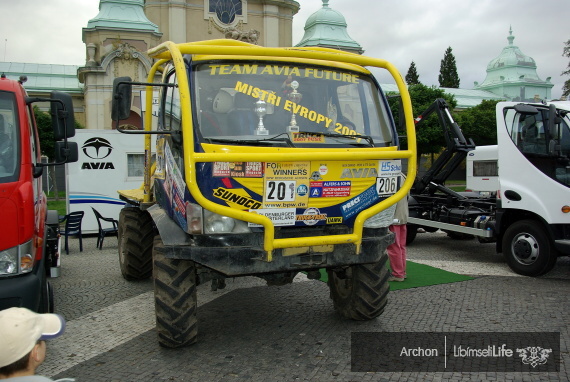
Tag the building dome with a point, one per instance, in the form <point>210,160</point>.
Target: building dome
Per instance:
<point>513,75</point>
<point>511,56</point>
<point>326,15</point>
<point>327,28</point>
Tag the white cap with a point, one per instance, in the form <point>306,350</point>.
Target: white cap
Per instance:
<point>20,330</point>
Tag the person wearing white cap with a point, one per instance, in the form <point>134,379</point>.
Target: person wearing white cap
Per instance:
<point>22,342</point>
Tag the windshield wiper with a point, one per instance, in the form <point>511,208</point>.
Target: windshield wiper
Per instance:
<point>368,138</point>
<point>276,138</point>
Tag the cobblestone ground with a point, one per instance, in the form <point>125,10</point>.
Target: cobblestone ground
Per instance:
<point>250,332</point>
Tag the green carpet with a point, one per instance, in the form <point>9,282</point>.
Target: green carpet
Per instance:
<point>419,275</point>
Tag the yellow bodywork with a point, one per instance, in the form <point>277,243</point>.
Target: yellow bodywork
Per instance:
<point>171,52</point>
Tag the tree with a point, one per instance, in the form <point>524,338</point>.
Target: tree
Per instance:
<point>43,121</point>
<point>566,53</point>
<point>412,78</point>
<point>448,77</point>
<point>479,123</point>
<point>429,137</point>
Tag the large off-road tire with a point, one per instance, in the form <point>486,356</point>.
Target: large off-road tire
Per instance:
<point>361,292</point>
<point>528,249</point>
<point>136,234</point>
<point>175,299</point>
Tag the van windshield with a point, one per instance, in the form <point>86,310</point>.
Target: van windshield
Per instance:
<point>304,105</point>
<point>9,138</point>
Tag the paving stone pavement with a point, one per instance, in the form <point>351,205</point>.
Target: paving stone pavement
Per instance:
<point>250,332</point>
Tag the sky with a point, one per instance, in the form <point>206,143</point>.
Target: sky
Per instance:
<point>402,31</point>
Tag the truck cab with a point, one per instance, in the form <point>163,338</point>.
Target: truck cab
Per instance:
<point>25,256</point>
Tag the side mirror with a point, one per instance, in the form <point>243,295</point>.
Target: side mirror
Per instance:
<point>66,152</point>
<point>62,117</point>
<point>122,94</point>
<point>553,125</point>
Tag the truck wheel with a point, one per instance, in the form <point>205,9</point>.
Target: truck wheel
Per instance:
<point>175,299</point>
<point>528,249</point>
<point>136,233</point>
<point>361,291</point>
<point>411,232</point>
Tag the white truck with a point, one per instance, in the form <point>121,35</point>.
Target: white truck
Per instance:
<point>108,161</point>
<point>528,213</point>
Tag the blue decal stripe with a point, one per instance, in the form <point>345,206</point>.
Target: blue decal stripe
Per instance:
<point>98,201</point>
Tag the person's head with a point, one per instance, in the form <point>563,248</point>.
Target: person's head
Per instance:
<point>22,339</point>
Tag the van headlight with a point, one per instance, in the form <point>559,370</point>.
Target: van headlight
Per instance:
<point>15,260</point>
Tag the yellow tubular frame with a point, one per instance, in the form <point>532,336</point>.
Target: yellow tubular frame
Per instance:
<point>169,51</point>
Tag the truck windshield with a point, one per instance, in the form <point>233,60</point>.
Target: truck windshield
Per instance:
<point>9,169</point>
<point>289,103</point>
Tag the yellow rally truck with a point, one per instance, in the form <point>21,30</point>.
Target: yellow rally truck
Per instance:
<point>268,162</point>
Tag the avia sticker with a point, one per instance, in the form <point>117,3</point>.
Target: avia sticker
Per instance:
<point>237,198</point>
<point>367,172</point>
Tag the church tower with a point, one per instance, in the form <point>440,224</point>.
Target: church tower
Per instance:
<point>116,41</point>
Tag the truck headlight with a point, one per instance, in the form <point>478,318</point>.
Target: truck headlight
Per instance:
<point>17,259</point>
<point>214,223</point>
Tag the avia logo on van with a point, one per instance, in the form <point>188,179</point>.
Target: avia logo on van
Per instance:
<point>97,148</point>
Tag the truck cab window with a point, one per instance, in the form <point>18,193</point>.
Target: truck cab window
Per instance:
<point>237,101</point>
<point>172,117</point>
<point>530,134</point>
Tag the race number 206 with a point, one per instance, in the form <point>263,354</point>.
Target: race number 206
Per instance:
<point>387,185</point>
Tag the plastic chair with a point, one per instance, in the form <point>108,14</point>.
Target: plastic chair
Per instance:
<point>104,231</point>
<point>73,228</point>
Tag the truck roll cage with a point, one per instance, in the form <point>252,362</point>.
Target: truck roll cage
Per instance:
<point>174,53</point>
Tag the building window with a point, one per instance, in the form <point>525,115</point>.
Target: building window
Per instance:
<point>226,10</point>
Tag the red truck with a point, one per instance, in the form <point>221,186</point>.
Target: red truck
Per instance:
<point>28,234</point>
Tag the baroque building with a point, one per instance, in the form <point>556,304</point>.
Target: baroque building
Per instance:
<point>513,76</point>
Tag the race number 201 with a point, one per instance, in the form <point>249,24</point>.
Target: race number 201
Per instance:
<point>280,191</point>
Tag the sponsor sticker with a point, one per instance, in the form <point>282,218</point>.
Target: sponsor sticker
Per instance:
<point>281,182</point>
<point>279,216</point>
<point>311,216</point>
<point>353,206</point>
<point>330,189</point>
<point>238,169</point>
